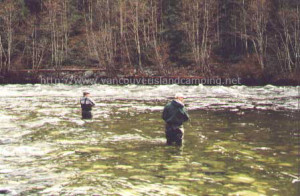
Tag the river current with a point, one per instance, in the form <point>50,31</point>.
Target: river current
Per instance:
<point>240,141</point>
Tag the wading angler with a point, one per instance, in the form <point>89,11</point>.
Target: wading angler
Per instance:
<point>86,106</point>
<point>175,115</point>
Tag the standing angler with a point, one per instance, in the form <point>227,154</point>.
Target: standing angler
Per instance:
<point>175,115</point>
<point>86,105</point>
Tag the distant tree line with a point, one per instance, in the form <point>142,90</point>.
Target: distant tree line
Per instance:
<point>210,37</point>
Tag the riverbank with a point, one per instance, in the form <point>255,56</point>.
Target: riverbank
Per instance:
<point>100,76</point>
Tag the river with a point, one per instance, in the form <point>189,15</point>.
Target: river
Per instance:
<point>240,141</point>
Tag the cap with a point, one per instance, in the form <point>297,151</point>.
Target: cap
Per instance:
<point>179,95</point>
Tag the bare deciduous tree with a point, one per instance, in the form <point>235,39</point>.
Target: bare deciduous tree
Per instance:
<point>7,10</point>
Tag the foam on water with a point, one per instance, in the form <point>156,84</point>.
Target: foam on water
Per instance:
<point>41,122</point>
<point>198,97</point>
<point>23,151</point>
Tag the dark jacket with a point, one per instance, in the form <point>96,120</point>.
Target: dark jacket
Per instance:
<point>175,114</point>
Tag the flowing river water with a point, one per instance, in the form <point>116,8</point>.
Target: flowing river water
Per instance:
<point>240,141</point>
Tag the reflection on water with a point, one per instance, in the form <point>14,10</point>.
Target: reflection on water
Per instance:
<point>46,149</point>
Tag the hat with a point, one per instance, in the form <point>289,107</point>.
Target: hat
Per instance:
<point>85,93</point>
<point>179,95</point>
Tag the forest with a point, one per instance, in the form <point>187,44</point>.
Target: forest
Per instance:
<point>254,39</point>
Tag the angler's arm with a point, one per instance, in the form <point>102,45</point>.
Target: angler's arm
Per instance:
<point>92,102</point>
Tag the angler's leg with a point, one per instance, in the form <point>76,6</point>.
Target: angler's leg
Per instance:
<point>87,115</point>
<point>179,136</point>
<point>170,135</point>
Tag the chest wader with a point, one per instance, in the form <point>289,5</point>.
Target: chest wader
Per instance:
<point>86,110</point>
<point>174,134</point>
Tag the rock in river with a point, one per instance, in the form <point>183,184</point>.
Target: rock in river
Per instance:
<point>242,178</point>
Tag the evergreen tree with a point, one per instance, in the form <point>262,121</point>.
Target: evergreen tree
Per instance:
<point>232,20</point>
<point>173,33</point>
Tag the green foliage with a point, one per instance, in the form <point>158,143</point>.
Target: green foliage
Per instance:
<point>232,20</point>
<point>173,32</point>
